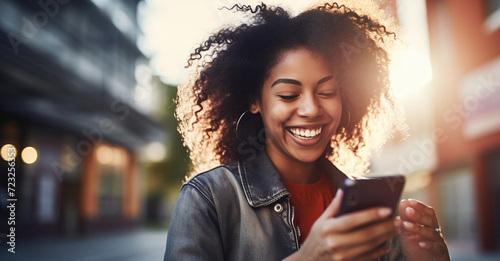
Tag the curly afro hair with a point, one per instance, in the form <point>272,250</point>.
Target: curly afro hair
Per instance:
<point>231,66</point>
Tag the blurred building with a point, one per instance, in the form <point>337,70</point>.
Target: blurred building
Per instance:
<point>465,44</point>
<point>452,157</point>
<point>74,88</point>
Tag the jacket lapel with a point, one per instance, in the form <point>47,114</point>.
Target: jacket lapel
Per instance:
<point>262,183</point>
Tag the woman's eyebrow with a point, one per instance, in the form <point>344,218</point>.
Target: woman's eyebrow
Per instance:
<point>295,82</point>
<point>286,80</point>
<point>327,78</point>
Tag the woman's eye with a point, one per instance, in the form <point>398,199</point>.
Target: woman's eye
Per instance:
<point>328,94</point>
<point>288,97</point>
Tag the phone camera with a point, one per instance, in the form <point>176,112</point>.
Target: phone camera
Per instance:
<point>352,198</point>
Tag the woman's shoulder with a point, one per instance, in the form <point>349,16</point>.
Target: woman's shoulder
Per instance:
<point>215,180</point>
<point>215,174</point>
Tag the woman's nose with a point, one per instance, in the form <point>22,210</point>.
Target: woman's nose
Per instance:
<point>309,106</point>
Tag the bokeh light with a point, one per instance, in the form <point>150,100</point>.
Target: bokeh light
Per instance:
<point>29,155</point>
<point>8,152</point>
<point>104,155</point>
<point>155,151</point>
<point>410,70</point>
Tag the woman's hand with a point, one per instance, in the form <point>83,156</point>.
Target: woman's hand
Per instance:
<point>419,238</point>
<point>354,236</point>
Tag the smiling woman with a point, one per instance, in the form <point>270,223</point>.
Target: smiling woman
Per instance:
<point>233,65</point>
<point>278,103</point>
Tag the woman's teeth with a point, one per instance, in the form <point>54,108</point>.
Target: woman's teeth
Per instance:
<point>305,133</point>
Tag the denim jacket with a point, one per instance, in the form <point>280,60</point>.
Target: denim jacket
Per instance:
<point>239,212</point>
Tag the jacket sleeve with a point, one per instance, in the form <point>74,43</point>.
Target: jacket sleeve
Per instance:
<point>193,233</point>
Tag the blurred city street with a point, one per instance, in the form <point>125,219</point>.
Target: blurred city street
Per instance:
<point>123,246</point>
<point>90,153</point>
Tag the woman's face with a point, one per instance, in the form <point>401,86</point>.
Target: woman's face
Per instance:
<point>300,106</point>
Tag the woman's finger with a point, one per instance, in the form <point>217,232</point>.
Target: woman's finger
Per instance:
<point>436,247</point>
<point>418,205</point>
<point>334,206</point>
<point>386,229</point>
<point>348,222</point>
<point>338,252</point>
<point>365,242</point>
<point>418,216</point>
<point>426,233</point>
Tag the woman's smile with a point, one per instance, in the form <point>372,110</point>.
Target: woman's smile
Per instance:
<point>305,133</point>
<point>305,137</point>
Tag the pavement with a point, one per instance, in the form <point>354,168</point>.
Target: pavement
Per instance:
<point>126,246</point>
<point>467,251</point>
<point>148,245</point>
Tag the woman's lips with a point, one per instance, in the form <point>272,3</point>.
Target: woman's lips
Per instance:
<point>305,133</point>
<point>305,136</point>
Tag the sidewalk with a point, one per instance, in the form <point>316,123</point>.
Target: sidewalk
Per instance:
<point>130,246</point>
<point>465,251</point>
<point>144,245</point>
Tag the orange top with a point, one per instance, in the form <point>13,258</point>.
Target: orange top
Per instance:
<point>309,202</point>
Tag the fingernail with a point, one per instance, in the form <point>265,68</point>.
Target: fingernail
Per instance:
<point>422,244</point>
<point>410,211</point>
<point>384,212</point>
<point>413,202</point>
<point>397,222</point>
<point>408,224</point>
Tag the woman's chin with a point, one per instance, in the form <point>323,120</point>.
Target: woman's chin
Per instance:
<point>307,156</point>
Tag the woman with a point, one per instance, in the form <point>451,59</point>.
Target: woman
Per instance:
<point>276,101</point>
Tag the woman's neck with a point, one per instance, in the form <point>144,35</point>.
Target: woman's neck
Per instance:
<point>295,171</point>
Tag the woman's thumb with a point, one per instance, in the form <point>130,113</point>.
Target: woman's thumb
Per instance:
<point>334,206</point>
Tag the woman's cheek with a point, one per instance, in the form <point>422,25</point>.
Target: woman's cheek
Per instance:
<point>281,113</point>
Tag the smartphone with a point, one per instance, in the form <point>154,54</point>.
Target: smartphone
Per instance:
<point>361,194</point>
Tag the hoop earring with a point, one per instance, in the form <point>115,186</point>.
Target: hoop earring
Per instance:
<point>238,122</point>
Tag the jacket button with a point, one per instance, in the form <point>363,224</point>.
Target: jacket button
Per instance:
<point>278,208</point>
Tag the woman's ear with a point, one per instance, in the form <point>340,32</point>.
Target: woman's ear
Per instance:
<point>254,107</point>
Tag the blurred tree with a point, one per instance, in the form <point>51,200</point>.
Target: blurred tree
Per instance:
<point>164,178</point>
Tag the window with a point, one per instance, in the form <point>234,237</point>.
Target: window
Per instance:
<point>110,191</point>
<point>458,205</point>
<point>492,22</point>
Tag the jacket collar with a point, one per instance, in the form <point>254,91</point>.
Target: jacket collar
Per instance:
<point>262,183</point>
